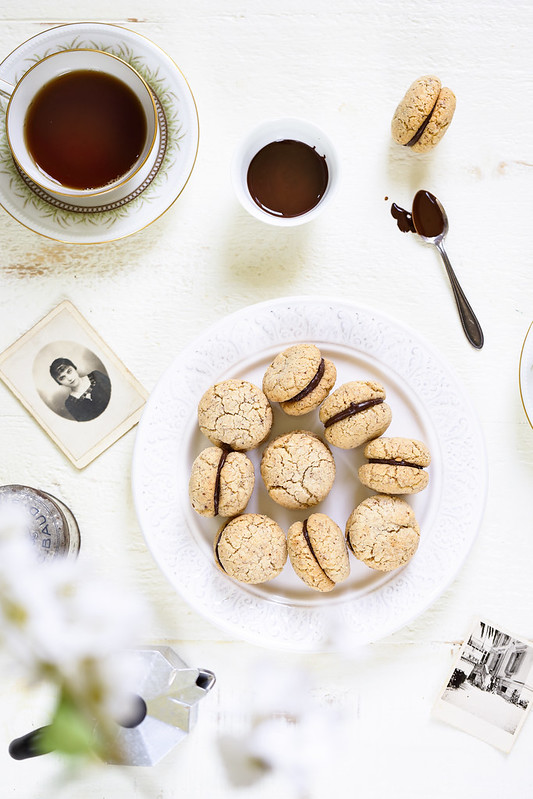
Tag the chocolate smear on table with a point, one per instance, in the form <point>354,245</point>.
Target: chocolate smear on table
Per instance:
<point>351,410</point>
<point>403,218</point>
<point>392,462</point>
<point>311,385</point>
<point>425,218</point>
<point>222,461</point>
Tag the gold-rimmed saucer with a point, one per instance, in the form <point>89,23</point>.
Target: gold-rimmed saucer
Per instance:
<point>525,375</point>
<point>126,210</point>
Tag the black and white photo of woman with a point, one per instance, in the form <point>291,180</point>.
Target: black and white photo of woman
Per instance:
<point>88,395</point>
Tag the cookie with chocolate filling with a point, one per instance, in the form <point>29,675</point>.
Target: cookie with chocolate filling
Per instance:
<point>235,414</point>
<point>251,548</point>
<point>317,551</point>
<point>423,115</point>
<point>298,469</point>
<point>221,482</point>
<point>382,532</point>
<point>299,378</point>
<point>395,466</point>
<point>355,413</point>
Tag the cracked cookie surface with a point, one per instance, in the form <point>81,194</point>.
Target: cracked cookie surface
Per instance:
<point>423,115</point>
<point>317,552</point>
<point>298,469</point>
<point>235,413</point>
<point>221,482</point>
<point>383,532</point>
<point>400,468</point>
<point>355,413</point>
<point>251,548</point>
<point>299,379</point>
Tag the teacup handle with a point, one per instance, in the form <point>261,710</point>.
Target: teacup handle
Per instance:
<point>6,89</point>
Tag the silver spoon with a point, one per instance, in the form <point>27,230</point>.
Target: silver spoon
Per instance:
<point>431,224</point>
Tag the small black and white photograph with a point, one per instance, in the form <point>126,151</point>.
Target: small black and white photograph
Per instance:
<point>489,691</point>
<point>75,387</point>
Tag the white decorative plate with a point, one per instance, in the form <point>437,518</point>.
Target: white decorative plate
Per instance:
<point>525,375</point>
<point>426,403</point>
<point>121,213</point>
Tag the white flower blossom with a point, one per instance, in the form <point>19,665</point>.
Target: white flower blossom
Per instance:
<point>291,734</point>
<point>60,622</point>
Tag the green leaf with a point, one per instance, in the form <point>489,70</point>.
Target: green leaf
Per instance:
<point>69,731</point>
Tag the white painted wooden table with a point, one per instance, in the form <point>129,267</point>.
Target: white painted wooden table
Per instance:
<point>343,65</point>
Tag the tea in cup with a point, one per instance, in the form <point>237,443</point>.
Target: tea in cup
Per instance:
<point>285,171</point>
<point>80,122</point>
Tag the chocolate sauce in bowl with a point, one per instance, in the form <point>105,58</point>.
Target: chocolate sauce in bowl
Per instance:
<point>287,178</point>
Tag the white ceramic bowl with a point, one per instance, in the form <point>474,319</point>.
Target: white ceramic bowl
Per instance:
<point>276,130</point>
<point>46,70</point>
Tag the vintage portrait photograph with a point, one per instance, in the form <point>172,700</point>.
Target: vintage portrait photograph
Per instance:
<point>490,689</point>
<point>76,388</point>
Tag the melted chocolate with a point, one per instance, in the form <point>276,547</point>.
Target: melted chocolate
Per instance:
<point>311,385</point>
<point>216,498</point>
<point>421,129</point>
<point>403,218</point>
<point>349,543</point>
<point>392,462</point>
<point>427,216</point>
<point>217,556</point>
<point>351,410</point>
<point>287,178</point>
<point>308,542</point>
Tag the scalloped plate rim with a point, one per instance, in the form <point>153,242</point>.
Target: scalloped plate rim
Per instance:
<point>235,628</point>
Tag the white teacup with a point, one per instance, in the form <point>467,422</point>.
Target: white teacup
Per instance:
<point>278,130</point>
<point>54,66</point>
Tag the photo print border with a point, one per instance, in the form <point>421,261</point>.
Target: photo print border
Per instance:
<point>489,690</point>
<point>116,396</point>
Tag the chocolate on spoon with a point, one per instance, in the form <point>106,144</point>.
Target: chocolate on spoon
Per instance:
<point>428,219</point>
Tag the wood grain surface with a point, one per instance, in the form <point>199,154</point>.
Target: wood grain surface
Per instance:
<point>343,65</point>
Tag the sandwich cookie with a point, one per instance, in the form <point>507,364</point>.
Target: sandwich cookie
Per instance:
<point>395,466</point>
<point>299,378</point>
<point>251,548</point>
<point>424,114</point>
<point>317,552</point>
<point>383,532</point>
<point>221,482</point>
<point>355,413</point>
<point>235,414</point>
<point>298,470</point>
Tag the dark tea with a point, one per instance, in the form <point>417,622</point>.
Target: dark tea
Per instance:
<point>287,178</point>
<point>85,129</point>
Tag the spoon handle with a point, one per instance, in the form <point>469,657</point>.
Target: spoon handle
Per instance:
<point>469,321</point>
